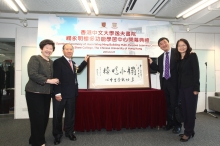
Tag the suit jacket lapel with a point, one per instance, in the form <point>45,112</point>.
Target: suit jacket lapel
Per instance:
<point>66,63</point>
<point>161,61</point>
<point>171,58</point>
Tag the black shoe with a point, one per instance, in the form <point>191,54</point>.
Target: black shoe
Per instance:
<point>168,127</point>
<point>181,135</point>
<point>184,140</point>
<point>71,137</point>
<point>30,141</point>
<point>176,130</point>
<point>57,141</point>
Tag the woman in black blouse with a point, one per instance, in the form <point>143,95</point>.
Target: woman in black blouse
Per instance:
<point>39,90</point>
<point>189,86</point>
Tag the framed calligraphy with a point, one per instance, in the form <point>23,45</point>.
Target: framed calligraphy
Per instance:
<point>118,72</point>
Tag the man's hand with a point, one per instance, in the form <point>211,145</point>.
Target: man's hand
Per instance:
<point>53,81</point>
<point>86,58</point>
<point>150,60</point>
<point>58,97</point>
<point>195,92</point>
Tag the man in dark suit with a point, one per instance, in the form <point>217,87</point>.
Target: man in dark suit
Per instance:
<point>167,67</point>
<point>65,93</point>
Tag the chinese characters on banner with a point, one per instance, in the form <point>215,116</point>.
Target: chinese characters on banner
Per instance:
<point>107,36</point>
<point>118,72</point>
<point>98,36</point>
<point>108,41</point>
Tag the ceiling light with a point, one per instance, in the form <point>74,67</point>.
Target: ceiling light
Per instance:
<point>5,49</point>
<point>12,5</point>
<point>191,8</point>
<point>95,8</point>
<point>85,3</point>
<point>21,5</point>
<point>187,29</point>
<point>2,54</point>
<point>195,8</point>
<point>200,7</point>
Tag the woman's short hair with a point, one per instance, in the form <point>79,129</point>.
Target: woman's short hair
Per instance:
<point>46,42</point>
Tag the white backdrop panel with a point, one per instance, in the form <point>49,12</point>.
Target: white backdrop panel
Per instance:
<point>188,36</point>
<point>217,51</point>
<point>209,57</point>
<point>205,41</point>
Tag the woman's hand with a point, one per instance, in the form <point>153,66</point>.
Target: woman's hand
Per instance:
<point>53,81</point>
<point>195,92</point>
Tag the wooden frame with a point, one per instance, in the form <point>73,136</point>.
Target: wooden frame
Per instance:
<point>118,72</point>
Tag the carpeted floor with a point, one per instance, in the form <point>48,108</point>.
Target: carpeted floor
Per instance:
<point>16,133</point>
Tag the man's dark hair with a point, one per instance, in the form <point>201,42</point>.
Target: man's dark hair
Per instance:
<point>46,42</point>
<point>163,38</point>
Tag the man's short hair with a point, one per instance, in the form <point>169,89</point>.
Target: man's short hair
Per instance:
<point>67,44</point>
<point>163,38</point>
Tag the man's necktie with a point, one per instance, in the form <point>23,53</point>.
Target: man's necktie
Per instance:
<point>71,64</point>
<point>167,66</point>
